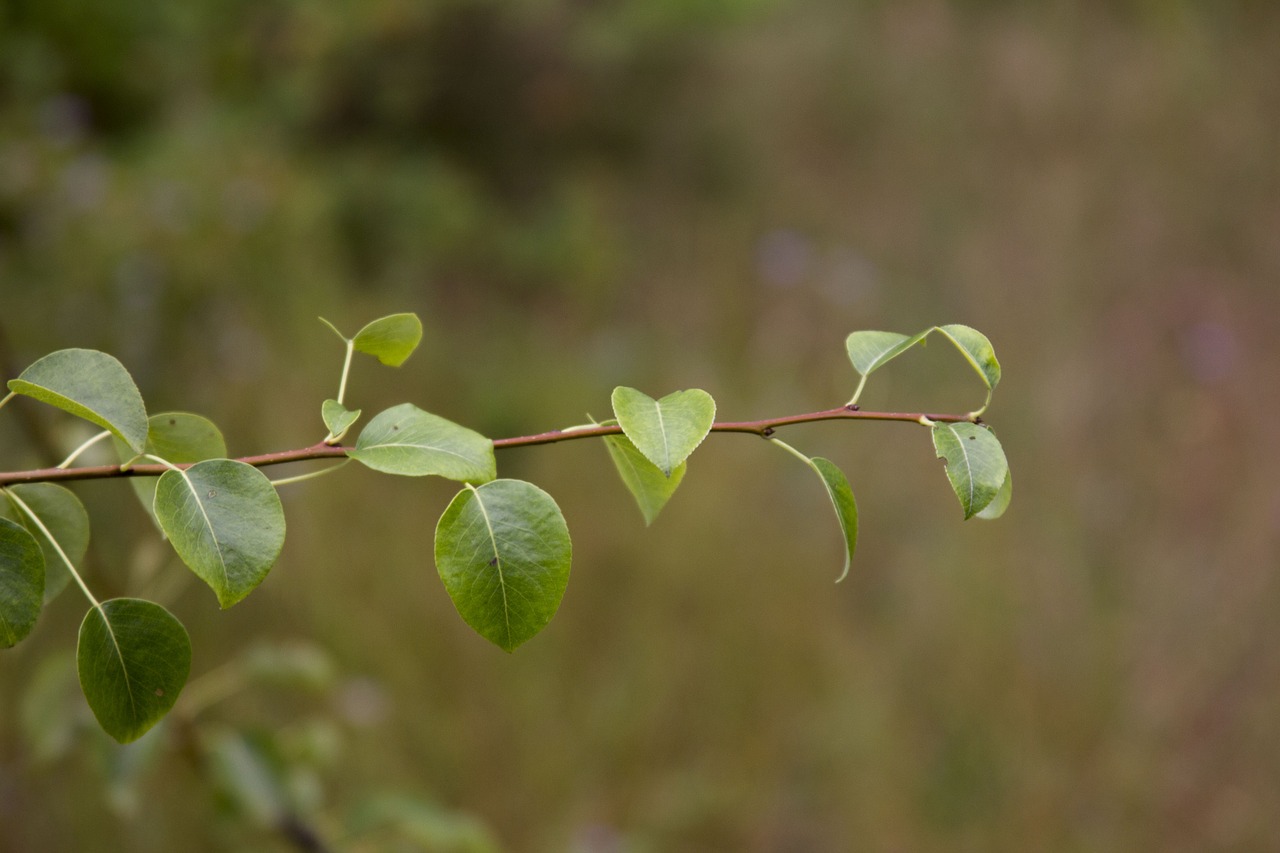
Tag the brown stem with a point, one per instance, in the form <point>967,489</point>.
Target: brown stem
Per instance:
<point>763,428</point>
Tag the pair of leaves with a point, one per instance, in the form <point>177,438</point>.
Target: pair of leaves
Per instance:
<point>391,339</point>
<point>869,351</point>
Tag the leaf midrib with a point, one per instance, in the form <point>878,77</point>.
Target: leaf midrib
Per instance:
<point>497,561</point>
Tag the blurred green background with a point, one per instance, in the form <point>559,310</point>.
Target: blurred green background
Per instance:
<point>577,194</point>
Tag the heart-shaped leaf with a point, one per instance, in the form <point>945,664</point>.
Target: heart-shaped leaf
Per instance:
<point>90,385</point>
<point>646,482</point>
<point>225,520</point>
<point>842,501</point>
<point>134,658</point>
<point>63,516</point>
<point>338,418</point>
<point>503,553</point>
<point>176,437</point>
<point>21,582</point>
<point>390,339</point>
<point>666,431</point>
<point>408,441</point>
<point>976,464</point>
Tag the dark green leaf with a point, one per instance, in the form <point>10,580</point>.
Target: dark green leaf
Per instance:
<point>133,658</point>
<point>503,553</point>
<point>666,431</point>
<point>976,465</point>
<point>225,521</point>
<point>91,385</point>
<point>646,482</point>
<point>391,339</point>
<point>179,438</point>
<point>21,582</point>
<point>406,440</point>
<point>62,514</point>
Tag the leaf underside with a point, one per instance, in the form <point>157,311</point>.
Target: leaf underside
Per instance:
<point>648,485</point>
<point>842,501</point>
<point>406,440</point>
<point>90,385</point>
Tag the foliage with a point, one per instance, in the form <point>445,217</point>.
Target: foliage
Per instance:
<point>502,546</point>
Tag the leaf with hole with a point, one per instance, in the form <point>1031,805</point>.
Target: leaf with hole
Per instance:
<point>408,441</point>
<point>843,503</point>
<point>976,464</point>
<point>390,339</point>
<point>648,485</point>
<point>179,438</point>
<point>338,419</point>
<point>133,657</point>
<point>666,431</point>
<point>90,385</point>
<point>225,520</point>
<point>503,553</point>
<point>63,516</point>
<point>21,582</point>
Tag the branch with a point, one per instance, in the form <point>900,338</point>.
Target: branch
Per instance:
<point>763,428</point>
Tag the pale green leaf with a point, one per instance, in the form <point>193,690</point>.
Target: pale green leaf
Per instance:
<point>503,553</point>
<point>224,519</point>
<point>976,465</point>
<point>90,385</point>
<point>1000,502</point>
<point>21,582</point>
<point>62,514</point>
<point>842,501</point>
<point>337,418</point>
<point>248,772</point>
<point>395,821</point>
<point>646,482</point>
<point>179,438</point>
<point>391,339</point>
<point>666,431</point>
<point>408,441</point>
<point>52,709</point>
<point>870,350</point>
<point>133,657</point>
<point>977,351</point>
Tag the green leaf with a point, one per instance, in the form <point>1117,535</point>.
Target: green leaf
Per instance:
<point>395,821</point>
<point>503,553</point>
<point>976,465</point>
<point>977,351</point>
<point>845,506</point>
<point>391,339</point>
<point>21,582</point>
<point>62,514</point>
<point>91,385</point>
<point>408,441</point>
<point>134,658</point>
<point>646,482</point>
<point>666,431</point>
<point>337,418</point>
<point>179,438</point>
<point>1000,502</point>
<point>225,521</point>
<point>870,350</point>
<point>249,772</point>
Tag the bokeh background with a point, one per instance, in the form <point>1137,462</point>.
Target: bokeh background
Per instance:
<point>577,194</point>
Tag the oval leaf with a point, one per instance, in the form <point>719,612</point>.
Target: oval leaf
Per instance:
<point>338,419</point>
<point>977,351</point>
<point>842,501</point>
<point>646,482</point>
<point>134,658</point>
<point>178,437</point>
<point>976,465</point>
<point>225,520</point>
<point>391,339</point>
<point>21,582</point>
<point>62,514</point>
<point>91,385</point>
<point>870,350</point>
<point>503,553</point>
<point>408,441</point>
<point>666,431</point>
